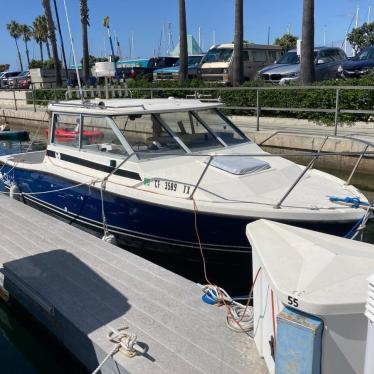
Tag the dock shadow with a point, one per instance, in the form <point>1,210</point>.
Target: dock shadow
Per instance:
<point>69,298</point>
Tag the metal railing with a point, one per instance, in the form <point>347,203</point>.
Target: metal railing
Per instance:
<point>203,93</point>
<point>315,156</point>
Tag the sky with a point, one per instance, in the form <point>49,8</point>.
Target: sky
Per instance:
<point>144,18</point>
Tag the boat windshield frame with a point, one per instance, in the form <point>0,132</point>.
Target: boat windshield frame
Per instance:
<point>142,155</point>
<point>177,144</point>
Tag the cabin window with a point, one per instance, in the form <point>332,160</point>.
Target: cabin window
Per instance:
<point>147,136</point>
<point>190,131</point>
<point>99,136</point>
<point>221,127</point>
<point>66,130</point>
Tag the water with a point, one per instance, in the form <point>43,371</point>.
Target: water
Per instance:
<point>25,347</point>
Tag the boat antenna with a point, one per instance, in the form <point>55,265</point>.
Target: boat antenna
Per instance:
<point>73,51</point>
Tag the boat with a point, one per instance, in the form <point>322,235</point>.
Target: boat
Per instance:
<point>173,175</point>
<point>20,136</point>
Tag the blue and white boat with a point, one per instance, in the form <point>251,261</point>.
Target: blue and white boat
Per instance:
<point>163,171</point>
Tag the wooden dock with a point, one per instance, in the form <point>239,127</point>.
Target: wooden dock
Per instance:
<point>80,287</point>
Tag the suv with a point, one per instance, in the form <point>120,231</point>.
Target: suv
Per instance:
<point>287,69</point>
<point>5,76</point>
<point>358,65</point>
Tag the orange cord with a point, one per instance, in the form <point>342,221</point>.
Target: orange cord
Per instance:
<point>219,292</point>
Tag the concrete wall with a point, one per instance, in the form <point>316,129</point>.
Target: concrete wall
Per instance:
<point>30,120</point>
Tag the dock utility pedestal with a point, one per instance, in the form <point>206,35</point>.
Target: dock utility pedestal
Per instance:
<point>319,277</point>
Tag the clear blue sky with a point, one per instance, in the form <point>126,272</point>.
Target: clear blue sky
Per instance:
<point>145,19</point>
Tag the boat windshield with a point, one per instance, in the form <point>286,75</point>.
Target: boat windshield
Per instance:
<point>178,132</point>
<point>147,136</point>
<point>218,55</point>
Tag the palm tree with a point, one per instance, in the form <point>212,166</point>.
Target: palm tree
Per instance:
<point>39,34</point>
<point>307,73</point>
<point>237,78</point>
<point>14,30</point>
<point>183,52</point>
<point>52,38</point>
<point>44,27</point>
<point>85,22</point>
<point>27,34</point>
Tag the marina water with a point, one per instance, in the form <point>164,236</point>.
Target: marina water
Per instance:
<point>25,347</point>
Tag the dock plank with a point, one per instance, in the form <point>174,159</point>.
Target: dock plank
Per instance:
<point>93,286</point>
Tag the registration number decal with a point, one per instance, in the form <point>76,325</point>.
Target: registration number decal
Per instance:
<point>169,186</point>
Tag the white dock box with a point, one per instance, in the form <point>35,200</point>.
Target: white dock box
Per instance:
<point>319,274</point>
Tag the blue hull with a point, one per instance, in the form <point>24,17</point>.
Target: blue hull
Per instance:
<point>140,224</point>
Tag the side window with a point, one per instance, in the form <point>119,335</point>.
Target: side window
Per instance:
<point>259,55</point>
<point>245,56</point>
<point>66,129</point>
<point>98,136</point>
<point>335,55</point>
<point>325,55</point>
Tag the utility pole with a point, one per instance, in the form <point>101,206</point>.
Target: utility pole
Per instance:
<point>214,38</point>
<point>199,36</point>
<point>269,35</point>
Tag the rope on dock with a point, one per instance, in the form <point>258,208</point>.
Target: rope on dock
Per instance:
<point>124,342</point>
<point>239,317</point>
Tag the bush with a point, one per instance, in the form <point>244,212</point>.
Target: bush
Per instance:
<point>282,97</point>
<point>43,96</point>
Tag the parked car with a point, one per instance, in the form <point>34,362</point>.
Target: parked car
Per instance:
<point>143,68</point>
<point>217,63</point>
<point>5,77</point>
<point>13,82</point>
<point>172,72</point>
<point>287,68</point>
<point>358,65</point>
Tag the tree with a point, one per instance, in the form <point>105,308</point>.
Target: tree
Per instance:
<point>85,23</point>
<point>361,37</point>
<point>38,33</point>
<point>27,34</point>
<point>307,73</point>
<point>93,59</point>
<point>237,67</point>
<point>52,38</point>
<point>287,42</point>
<point>183,51</point>
<point>14,30</point>
<point>4,67</point>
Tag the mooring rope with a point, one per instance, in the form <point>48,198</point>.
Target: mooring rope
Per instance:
<point>124,342</point>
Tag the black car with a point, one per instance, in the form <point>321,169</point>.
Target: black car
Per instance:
<point>358,65</point>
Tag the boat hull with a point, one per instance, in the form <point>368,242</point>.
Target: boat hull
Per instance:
<point>143,225</point>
